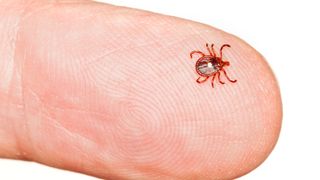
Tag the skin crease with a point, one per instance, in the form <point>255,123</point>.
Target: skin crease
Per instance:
<point>110,92</point>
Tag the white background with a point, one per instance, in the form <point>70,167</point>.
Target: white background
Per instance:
<point>287,34</point>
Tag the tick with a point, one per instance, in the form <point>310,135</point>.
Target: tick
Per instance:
<point>211,65</point>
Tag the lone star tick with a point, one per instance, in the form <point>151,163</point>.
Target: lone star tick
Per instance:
<point>211,65</point>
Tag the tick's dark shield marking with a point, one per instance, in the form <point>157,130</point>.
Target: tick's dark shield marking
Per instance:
<point>211,65</point>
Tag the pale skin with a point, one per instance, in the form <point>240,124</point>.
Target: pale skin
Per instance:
<point>111,92</point>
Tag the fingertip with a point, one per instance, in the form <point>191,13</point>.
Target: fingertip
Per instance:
<point>157,117</point>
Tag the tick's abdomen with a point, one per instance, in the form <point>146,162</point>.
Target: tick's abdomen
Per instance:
<point>207,66</point>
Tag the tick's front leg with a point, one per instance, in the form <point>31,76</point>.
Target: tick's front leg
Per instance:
<point>223,46</point>
<point>225,73</point>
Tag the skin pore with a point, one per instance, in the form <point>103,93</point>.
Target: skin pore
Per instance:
<point>111,92</point>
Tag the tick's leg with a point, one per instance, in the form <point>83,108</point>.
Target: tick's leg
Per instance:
<point>196,52</point>
<point>199,80</point>
<point>225,73</point>
<point>220,79</point>
<point>207,45</point>
<point>212,80</point>
<point>225,45</point>
<point>213,51</point>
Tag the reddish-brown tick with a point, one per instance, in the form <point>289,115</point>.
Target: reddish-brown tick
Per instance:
<point>211,65</point>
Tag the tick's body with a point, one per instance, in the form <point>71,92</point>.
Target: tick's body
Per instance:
<point>211,65</point>
<point>207,66</point>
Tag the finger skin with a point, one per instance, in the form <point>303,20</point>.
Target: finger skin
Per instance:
<point>111,92</point>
